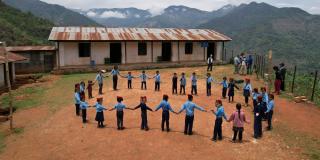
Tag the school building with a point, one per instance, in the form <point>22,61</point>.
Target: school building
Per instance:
<point>82,46</point>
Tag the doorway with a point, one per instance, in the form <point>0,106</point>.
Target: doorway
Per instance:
<point>115,52</point>
<point>166,51</point>
<point>211,50</point>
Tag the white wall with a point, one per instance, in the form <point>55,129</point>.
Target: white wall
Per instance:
<point>2,80</point>
<point>68,53</point>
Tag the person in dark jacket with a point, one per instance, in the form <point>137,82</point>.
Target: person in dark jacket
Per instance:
<point>231,87</point>
<point>144,117</point>
<point>277,81</point>
<point>175,84</point>
<point>283,72</point>
<point>258,112</point>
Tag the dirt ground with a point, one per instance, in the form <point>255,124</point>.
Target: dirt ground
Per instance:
<point>61,135</point>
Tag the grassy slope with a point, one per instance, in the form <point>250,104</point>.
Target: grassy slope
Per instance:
<point>18,28</point>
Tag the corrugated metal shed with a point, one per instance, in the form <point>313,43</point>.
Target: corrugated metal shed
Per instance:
<point>11,57</point>
<point>30,48</point>
<point>134,34</point>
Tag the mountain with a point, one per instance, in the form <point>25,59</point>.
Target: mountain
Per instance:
<point>18,28</point>
<point>57,14</point>
<point>172,16</point>
<point>291,33</point>
<point>117,17</point>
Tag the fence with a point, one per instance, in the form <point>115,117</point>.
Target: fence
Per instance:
<point>300,83</point>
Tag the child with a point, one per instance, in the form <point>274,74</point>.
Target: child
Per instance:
<point>115,72</point>
<point>247,89</point>
<point>99,78</point>
<point>89,88</point>
<point>265,101</point>
<point>189,107</point>
<point>77,98</point>
<point>238,118</point>
<point>258,118</point>
<point>255,95</point>
<point>269,111</point>
<point>224,87</point>
<point>144,108</point>
<point>194,84</point>
<point>130,77</point>
<point>143,78</point>
<point>183,83</point>
<point>175,84</point>
<point>231,87</point>
<point>84,105</point>
<point>209,81</point>
<point>217,132</point>
<point>82,89</point>
<point>119,107</point>
<point>99,115</point>
<point>157,81</point>
<point>165,112</point>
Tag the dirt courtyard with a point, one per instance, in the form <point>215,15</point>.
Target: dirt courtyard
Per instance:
<point>59,134</point>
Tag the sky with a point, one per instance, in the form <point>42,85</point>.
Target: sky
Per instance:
<point>156,6</point>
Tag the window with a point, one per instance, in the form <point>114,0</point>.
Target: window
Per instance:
<point>84,49</point>
<point>142,48</point>
<point>188,47</point>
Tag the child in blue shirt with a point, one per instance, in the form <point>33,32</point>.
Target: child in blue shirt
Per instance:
<point>119,107</point>
<point>247,89</point>
<point>157,81</point>
<point>77,98</point>
<point>255,95</point>
<point>183,83</point>
<point>217,132</point>
<point>99,115</point>
<point>84,106</point>
<point>166,108</point>
<point>194,84</point>
<point>224,84</point>
<point>209,81</point>
<point>129,77</point>
<point>269,111</point>
<point>143,78</point>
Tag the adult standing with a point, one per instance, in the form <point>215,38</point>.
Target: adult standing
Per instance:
<point>210,63</point>
<point>99,78</point>
<point>115,72</point>
<point>277,81</point>
<point>243,64</point>
<point>236,62</point>
<point>283,72</point>
<point>249,64</point>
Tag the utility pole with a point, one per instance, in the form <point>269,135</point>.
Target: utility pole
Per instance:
<point>8,83</point>
<point>269,70</point>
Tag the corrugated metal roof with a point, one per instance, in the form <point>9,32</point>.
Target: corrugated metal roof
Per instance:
<point>12,57</point>
<point>134,34</point>
<point>30,48</point>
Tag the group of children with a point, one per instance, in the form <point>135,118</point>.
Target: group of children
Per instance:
<point>262,102</point>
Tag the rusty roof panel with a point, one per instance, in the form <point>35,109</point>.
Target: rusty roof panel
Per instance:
<point>30,48</point>
<point>119,34</point>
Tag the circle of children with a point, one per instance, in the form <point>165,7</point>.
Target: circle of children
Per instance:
<point>262,102</point>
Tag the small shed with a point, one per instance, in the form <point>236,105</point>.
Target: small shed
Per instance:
<point>12,58</point>
<point>40,59</point>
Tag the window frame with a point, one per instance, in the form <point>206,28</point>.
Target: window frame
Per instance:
<point>84,52</point>
<point>144,51</point>
<point>189,49</point>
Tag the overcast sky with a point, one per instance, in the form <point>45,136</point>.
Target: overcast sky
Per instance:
<point>312,6</point>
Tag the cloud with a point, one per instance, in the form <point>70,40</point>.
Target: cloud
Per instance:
<point>91,14</point>
<point>111,14</point>
<point>156,6</point>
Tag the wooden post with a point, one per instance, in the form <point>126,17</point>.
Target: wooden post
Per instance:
<point>8,83</point>
<point>269,70</point>
<point>152,51</point>
<point>314,85</point>
<point>294,77</point>
<point>178,51</point>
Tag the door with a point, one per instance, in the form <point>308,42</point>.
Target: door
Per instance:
<point>48,63</point>
<point>211,50</point>
<point>166,51</point>
<point>115,52</point>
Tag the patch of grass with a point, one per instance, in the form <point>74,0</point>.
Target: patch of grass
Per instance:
<point>309,145</point>
<point>24,97</point>
<point>2,145</point>
<point>18,130</point>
